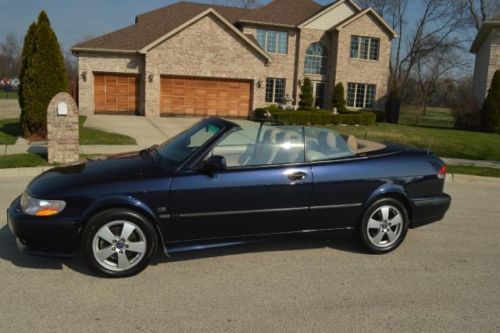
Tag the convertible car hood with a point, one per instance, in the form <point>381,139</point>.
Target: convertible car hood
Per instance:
<point>101,170</point>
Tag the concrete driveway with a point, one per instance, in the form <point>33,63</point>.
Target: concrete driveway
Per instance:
<point>146,132</point>
<point>445,277</point>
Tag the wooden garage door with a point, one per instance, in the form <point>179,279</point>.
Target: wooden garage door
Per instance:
<point>205,97</point>
<point>116,93</point>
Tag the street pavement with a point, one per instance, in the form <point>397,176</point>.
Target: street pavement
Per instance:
<point>444,278</point>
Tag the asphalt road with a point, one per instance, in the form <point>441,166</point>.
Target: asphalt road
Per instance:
<point>445,277</point>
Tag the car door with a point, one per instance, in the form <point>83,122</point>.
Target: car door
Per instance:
<point>340,181</point>
<point>265,188</point>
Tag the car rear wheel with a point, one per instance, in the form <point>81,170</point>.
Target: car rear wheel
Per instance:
<point>384,226</point>
<point>118,243</point>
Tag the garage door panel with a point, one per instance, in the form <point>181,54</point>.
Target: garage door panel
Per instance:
<point>116,93</point>
<point>205,97</point>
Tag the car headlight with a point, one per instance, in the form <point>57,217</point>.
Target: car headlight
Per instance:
<point>39,207</point>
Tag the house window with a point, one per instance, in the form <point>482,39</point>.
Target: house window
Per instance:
<point>275,90</point>
<point>273,41</point>
<point>361,95</point>
<point>365,47</point>
<point>316,59</point>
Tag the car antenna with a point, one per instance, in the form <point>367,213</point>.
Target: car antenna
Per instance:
<point>429,149</point>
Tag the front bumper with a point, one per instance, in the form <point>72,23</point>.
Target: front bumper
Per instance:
<point>41,235</point>
<point>428,210</point>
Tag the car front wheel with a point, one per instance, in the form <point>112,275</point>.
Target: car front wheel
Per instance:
<point>384,226</point>
<point>118,243</point>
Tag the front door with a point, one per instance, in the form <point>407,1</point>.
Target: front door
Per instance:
<point>319,94</point>
<point>265,189</point>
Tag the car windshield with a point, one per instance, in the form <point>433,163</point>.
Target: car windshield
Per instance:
<point>179,148</point>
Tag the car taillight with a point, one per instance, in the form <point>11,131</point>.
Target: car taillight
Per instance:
<point>442,172</point>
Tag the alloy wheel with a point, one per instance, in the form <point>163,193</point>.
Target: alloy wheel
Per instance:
<point>385,226</point>
<point>119,245</point>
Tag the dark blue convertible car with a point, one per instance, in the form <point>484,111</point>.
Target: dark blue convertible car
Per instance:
<point>221,181</point>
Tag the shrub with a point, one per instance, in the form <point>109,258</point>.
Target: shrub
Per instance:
<point>338,98</point>
<point>44,77</point>
<point>323,118</point>
<point>490,113</point>
<point>466,112</point>
<point>306,96</point>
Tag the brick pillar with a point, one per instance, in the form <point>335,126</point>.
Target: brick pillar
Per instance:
<point>62,129</point>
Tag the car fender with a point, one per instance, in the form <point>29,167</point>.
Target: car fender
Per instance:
<point>127,201</point>
<point>119,200</point>
<point>388,190</point>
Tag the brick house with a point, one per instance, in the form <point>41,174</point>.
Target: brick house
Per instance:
<point>486,47</point>
<point>200,59</point>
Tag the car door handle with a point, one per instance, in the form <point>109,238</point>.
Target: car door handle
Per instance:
<point>298,175</point>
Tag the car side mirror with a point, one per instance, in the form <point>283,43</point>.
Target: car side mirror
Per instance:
<point>214,163</point>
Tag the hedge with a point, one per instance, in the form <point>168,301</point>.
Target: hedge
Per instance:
<point>317,117</point>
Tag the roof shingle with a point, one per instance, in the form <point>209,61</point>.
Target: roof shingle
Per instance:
<point>157,23</point>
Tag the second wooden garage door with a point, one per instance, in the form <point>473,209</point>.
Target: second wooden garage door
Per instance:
<point>116,93</point>
<point>205,97</point>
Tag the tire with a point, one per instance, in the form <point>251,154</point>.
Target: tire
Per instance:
<point>384,226</point>
<point>118,243</point>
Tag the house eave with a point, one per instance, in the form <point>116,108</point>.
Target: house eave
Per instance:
<point>268,24</point>
<point>76,50</point>
<point>482,34</point>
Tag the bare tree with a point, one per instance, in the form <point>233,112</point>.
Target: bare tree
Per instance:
<point>239,3</point>
<point>10,55</point>
<point>436,69</point>
<point>481,10</point>
<point>437,25</point>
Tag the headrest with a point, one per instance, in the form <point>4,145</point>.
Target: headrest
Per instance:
<point>270,136</point>
<point>351,141</point>
<point>327,139</point>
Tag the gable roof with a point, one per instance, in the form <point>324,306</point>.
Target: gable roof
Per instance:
<point>284,12</point>
<point>209,11</point>
<point>327,8</point>
<point>155,24</point>
<point>377,17</point>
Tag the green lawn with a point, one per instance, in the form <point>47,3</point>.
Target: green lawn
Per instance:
<point>472,170</point>
<point>444,142</point>
<point>8,95</point>
<point>435,117</point>
<point>92,136</point>
<point>10,129</point>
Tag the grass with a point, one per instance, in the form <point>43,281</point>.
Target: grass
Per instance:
<point>444,142</point>
<point>10,130</point>
<point>473,170</point>
<point>435,117</point>
<point>93,136</point>
<point>8,94</point>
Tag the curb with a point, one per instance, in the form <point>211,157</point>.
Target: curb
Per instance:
<point>459,178</point>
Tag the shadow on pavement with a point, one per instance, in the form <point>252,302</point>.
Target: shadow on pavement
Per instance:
<point>10,252</point>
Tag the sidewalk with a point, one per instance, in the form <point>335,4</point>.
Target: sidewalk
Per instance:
<point>477,163</point>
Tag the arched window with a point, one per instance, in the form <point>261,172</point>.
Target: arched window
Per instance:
<point>316,59</point>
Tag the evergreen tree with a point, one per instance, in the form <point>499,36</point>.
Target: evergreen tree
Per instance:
<point>491,108</point>
<point>306,97</point>
<point>28,51</point>
<point>46,76</point>
<point>338,98</point>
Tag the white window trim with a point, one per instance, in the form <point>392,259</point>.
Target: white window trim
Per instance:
<point>369,48</point>
<point>266,31</point>
<point>274,79</point>
<point>356,87</point>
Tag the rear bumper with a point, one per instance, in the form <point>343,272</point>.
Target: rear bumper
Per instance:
<point>40,235</point>
<point>428,210</point>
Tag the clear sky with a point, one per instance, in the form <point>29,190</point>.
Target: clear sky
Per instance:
<point>72,20</point>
